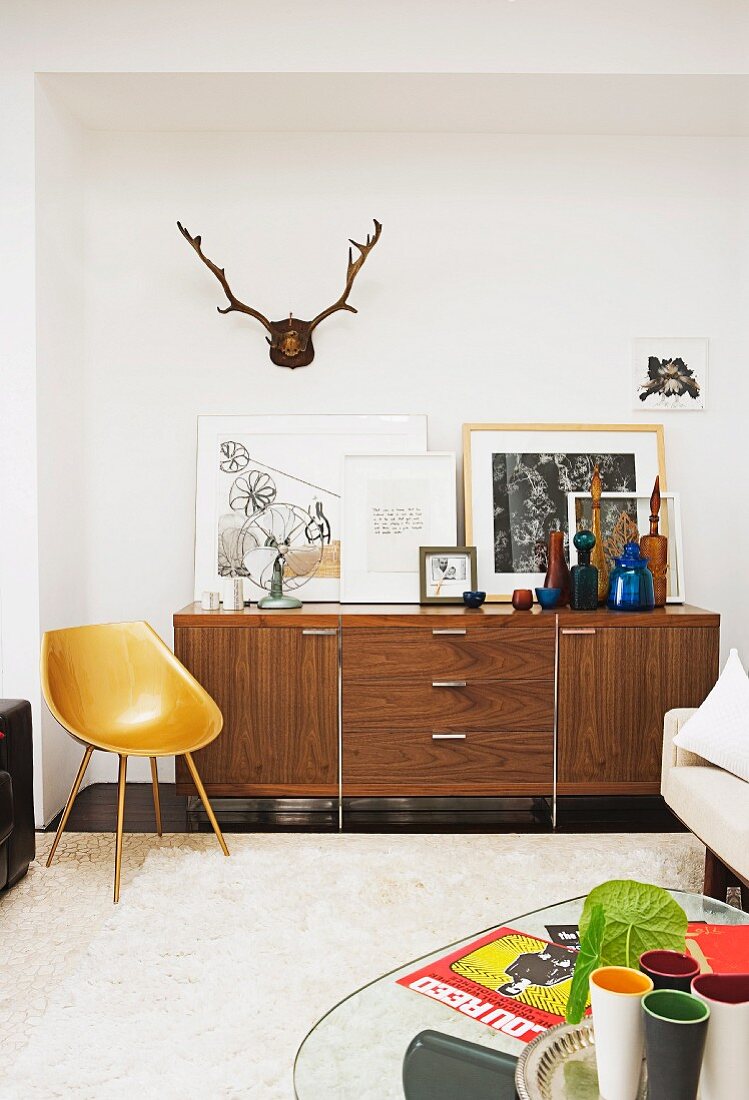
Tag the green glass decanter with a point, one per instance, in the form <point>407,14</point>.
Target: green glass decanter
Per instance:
<point>584,576</point>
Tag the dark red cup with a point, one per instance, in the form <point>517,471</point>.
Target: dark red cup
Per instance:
<point>669,969</point>
<point>522,599</point>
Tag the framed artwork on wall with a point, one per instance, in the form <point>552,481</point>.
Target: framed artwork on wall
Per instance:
<point>517,477</point>
<point>248,463</point>
<point>446,572</point>
<point>393,505</point>
<point>626,516</point>
<point>669,374</point>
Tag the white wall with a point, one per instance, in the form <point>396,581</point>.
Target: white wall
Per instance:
<point>511,276</point>
<point>676,36</point>
<point>60,386</point>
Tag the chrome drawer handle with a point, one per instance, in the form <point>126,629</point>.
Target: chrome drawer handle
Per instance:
<point>449,683</point>
<point>450,631</point>
<point>580,630</point>
<point>449,736</point>
<point>326,631</point>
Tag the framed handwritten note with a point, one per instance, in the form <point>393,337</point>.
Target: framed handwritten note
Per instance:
<point>392,505</point>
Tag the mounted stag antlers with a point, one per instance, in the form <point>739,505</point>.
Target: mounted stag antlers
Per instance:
<point>290,340</point>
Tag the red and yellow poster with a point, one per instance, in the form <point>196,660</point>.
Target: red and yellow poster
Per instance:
<point>516,983</point>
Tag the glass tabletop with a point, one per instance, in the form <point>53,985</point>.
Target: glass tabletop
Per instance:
<point>355,1052</point>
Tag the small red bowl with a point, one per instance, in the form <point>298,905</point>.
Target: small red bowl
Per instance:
<point>522,599</point>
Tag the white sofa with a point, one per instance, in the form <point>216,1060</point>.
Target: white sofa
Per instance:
<point>714,805</point>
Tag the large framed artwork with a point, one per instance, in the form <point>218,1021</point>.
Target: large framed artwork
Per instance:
<point>517,477</point>
<point>246,463</point>
<point>393,505</point>
<point>626,516</point>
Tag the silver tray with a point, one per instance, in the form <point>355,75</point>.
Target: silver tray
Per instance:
<point>561,1065</point>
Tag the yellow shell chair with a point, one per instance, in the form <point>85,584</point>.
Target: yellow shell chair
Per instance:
<point>117,687</point>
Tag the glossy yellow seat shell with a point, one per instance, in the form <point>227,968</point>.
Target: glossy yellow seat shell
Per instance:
<point>119,688</point>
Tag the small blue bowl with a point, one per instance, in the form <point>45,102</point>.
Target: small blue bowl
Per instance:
<point>474,599</point>
<point>548,597</point>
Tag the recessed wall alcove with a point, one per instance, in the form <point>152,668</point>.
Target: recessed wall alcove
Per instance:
<point>533,226</point>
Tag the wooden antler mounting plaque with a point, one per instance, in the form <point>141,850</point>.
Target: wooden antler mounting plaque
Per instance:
<point>291,339</point>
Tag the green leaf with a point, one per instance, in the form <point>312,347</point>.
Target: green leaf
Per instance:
<point>639,917</point>
<point>588,958</point>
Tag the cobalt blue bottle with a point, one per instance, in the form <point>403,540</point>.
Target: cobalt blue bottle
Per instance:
<point>631,582</point>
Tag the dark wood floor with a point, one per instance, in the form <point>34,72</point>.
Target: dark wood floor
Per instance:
<point>95,811</point>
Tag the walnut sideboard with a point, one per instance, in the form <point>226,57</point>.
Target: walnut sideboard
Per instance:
<point>344,701</point>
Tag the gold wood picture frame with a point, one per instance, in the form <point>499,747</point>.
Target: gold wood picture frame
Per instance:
<point>517,477</point>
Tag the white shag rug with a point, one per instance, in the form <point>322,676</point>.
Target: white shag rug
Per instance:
<point>207,976</point>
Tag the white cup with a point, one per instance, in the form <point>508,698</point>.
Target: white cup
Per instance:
<point>616,994</point>
<point>725,1066</point>
<point>232,594</point>
<point>209,601</point>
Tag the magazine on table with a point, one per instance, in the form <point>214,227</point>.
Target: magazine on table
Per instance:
<point>516,983</point>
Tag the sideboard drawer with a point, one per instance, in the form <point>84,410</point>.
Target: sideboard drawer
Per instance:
<point>513,653</point>
<point>445,705</point>
<point>407,762</point>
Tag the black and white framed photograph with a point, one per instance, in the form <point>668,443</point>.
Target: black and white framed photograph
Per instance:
<point>446,572</point>
<point>394,505</point>
<point>250,464</point>
<point>624,518</point>
<point>669,374</point>
<point>517,477</point>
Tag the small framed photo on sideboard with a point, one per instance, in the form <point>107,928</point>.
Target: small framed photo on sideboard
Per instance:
<point>446,572</point>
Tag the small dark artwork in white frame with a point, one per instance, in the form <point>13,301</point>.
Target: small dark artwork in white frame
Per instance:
<point>670,374</point>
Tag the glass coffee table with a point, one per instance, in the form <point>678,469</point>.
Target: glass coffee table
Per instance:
<point>355,1052</point>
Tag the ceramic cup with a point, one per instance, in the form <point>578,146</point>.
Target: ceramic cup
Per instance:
<point>725,1067</point>
<point>676,1026</point>
<point>210,601</point>
<point>522,599</point>
<point>233,594</point>
<point>616,997</point>
<point>670,969</point>
<point>548,597</point>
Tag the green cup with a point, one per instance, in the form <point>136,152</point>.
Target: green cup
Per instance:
<point>675,1033</point>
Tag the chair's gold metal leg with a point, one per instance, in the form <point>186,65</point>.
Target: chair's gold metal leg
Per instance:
<point>120,823</point>
<point>156,803</point>
<point>69,804</point>
<point>204,799</point>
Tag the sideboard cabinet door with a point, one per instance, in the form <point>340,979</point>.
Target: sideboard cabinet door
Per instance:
<point>615,685</point>
<point>278,692</point>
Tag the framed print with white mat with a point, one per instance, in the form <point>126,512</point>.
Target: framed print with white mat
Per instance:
<point>393,505</point>
<point>626,516</point>
<point>517,477</point>
<point>249,463</point>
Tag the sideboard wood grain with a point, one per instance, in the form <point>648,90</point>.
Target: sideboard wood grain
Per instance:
<point>340,701</point>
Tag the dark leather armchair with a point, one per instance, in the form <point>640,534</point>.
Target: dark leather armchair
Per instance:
<point>17,842</point>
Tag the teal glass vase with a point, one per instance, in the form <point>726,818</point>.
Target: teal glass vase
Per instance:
<point>584,576</point>
<point>631,582</point>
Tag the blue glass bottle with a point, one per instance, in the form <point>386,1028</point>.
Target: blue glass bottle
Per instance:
<point>631,582</point>
<point>584,576</point>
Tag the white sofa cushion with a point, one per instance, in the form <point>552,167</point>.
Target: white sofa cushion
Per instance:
<point>718,731</point>
<point>715,806</point>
